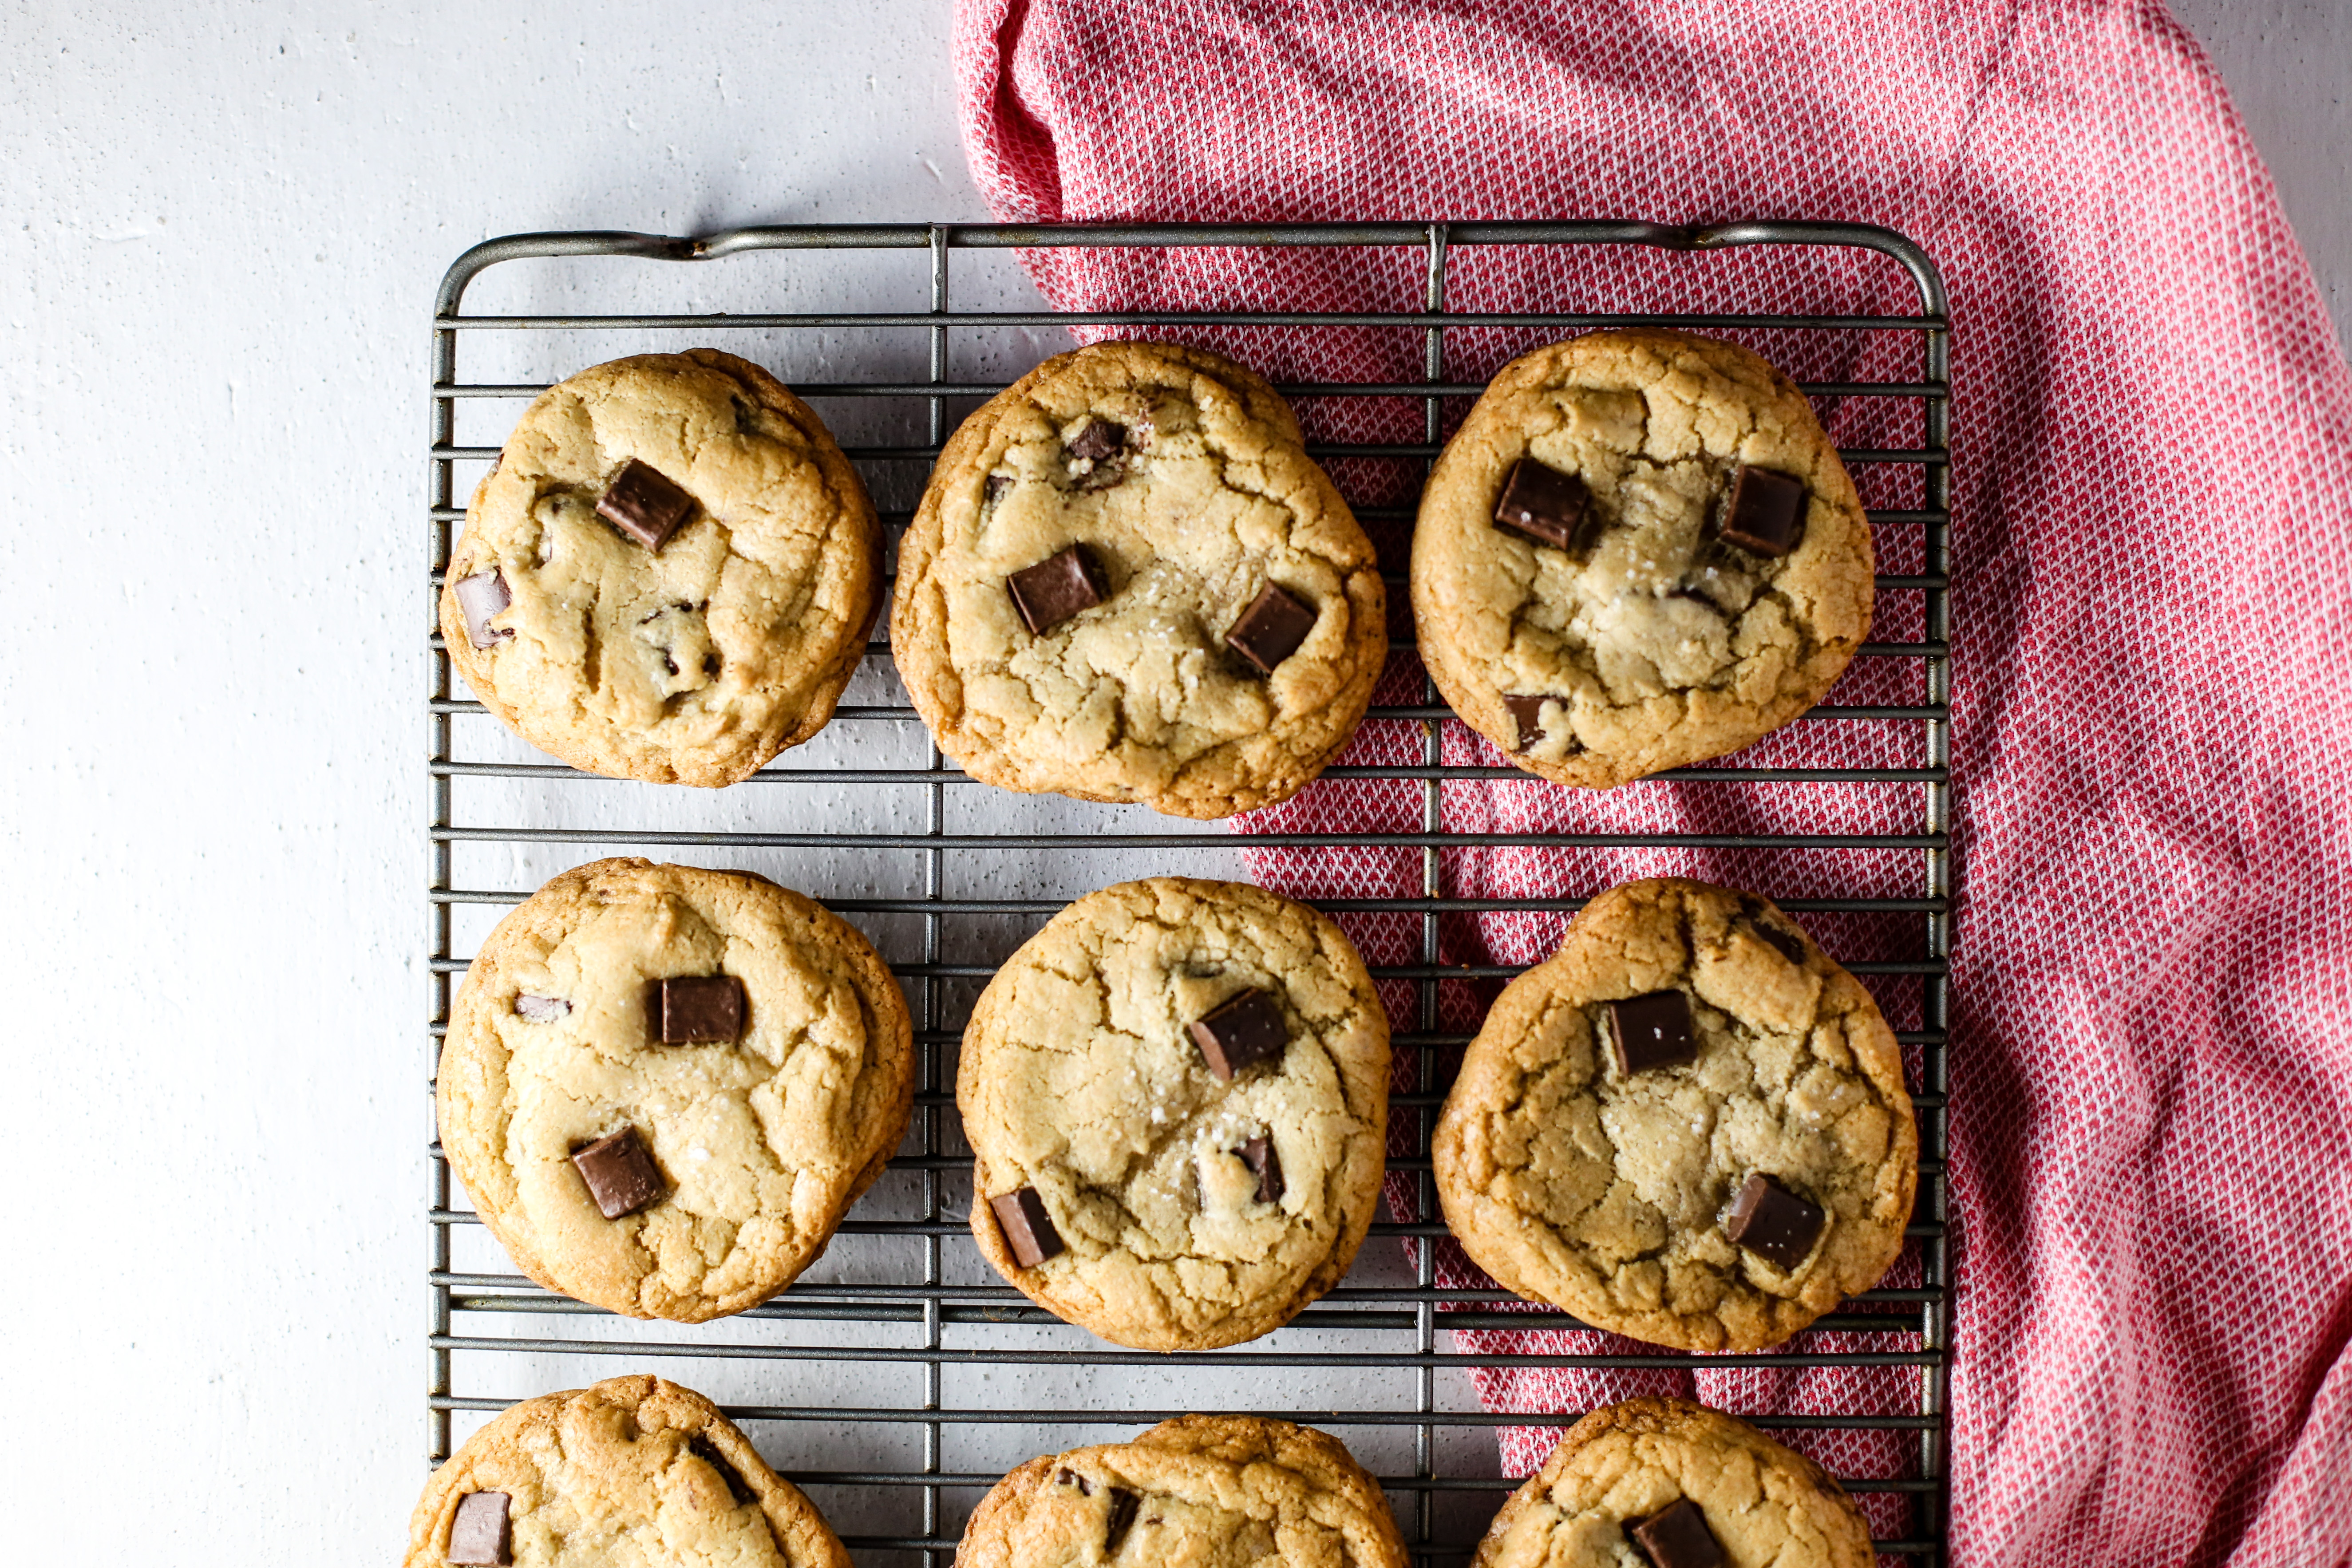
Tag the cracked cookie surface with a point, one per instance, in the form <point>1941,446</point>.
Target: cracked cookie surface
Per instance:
<point>1182,475</point>
<point>1766,1506</point>
<point>1607,1195</point>
<point>697,662</point>
<point>633,1470</point>
<point>1207,1491</point>
<point>1652,643</point>
<point>1080,1080</point>
<point>760,1143</point>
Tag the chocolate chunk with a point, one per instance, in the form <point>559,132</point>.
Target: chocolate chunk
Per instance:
<point>1123,1504</point>
<point>644,504</point>
<point>479,1533</point>
<point>1790,946</point>
<point>1240,1032</point>
<point>1767,513</point>
<point>542,1009</point>
<point>1099,439</point>
<point>1070,1478</point>
<point>1029,1233</point>
<point>1540,503</point>
<point>995,488</point>
<point>1773,1223</point>
<point>620,1173</point>
<point>703,1448</point>
<point>690,1009</point>
<point>1651,1032</point>
<point>1526,712</point>
<point>1258,1154</point>
<point>1679,1538</point>
<point>479,597</point>
<point>1271,629</point>
<point>1056,588</point>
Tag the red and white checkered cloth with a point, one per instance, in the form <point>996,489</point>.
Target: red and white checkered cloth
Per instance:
<point>2152,1051</point>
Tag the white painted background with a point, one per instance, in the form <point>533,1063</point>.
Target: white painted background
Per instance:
<point>220,227</point>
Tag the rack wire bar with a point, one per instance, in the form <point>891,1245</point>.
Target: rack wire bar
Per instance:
<point>892,1377</point>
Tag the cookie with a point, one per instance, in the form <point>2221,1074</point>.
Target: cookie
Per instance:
<point>671,573</point>
<point>1626,1481</point>
<point>634,1469</point>
<point>1127,581</point>
<point>1688,1125</point>
<point>663,1087</point>
<point>1209,1491</point>
<point>1639,551</point>
<point>1176,1095</point>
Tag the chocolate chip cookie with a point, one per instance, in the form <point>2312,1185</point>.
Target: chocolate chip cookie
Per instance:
<point>1127,581</point>
<point>670,575</point>
<point>1208,1491</point>
<point>1675,1484</point>
<point>663,1086</point>
<point>1176,1095</point>
<point>1639,551</point>
<point>1688,1125</point>
<point>634,1469</point>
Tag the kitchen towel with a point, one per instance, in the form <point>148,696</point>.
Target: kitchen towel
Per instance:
<point>2152,557</point>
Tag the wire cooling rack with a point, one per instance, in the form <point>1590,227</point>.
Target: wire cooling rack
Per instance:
<point>900,1377</point>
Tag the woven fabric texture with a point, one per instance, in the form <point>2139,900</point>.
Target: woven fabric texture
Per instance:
<point>2152,1045</point>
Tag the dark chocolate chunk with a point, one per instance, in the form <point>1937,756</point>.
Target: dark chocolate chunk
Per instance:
<point>703,1448</point>
<point>1540,503</point>
<point>1526,712</point>
<point>692,1010</point>
<point>479,1534</point>
<point>1271,629</point>
<point>1056,588</point>
<point>1123,1504</point>
<point>1099,439</point>
<point>995,488</point>
<point>1651,1032</point>
<point>1258,1154</point>
<point>1790,946</point>
<point>1070,1478</point>
<point>542,1009</point>
<point>644,504</point>
<point>1773,1223</point>
<point>620,1173</point>
<point>1767,513</point>
<point>1240,1032</point>
<point>1029,1233</point>
<point>1679,1538</point>
<point>479,597</point>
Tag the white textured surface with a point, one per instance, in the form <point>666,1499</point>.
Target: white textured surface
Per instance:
<point>222,230</point>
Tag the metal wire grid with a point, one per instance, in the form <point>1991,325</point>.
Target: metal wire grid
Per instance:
<point>1442,1485</point>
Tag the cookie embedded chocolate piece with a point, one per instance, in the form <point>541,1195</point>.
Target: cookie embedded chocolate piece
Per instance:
<point>1773,1223</point>
<point>738,1488</point>
<point>1651,1032</point>
<point>994,489</point>
<point>479,597</point>
<point>620,1173</point>
<point>1273,626</point>
<point>1240,1032</point>
<point>1526,712</point>
<point>542,1009</point>
<point>643,504</point>
<point>1100,439</point>
<point>695,1009</point>
<point>1069,1477</point>
<point>479,1534</point>
<point>1540,503</point>
<point>1258,1154</point>
<point>1121,1518</point>
<point>1679,1538</point>
<point>1029,1233</point>
<point>1767,511</point>
<point>1056,588</point>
